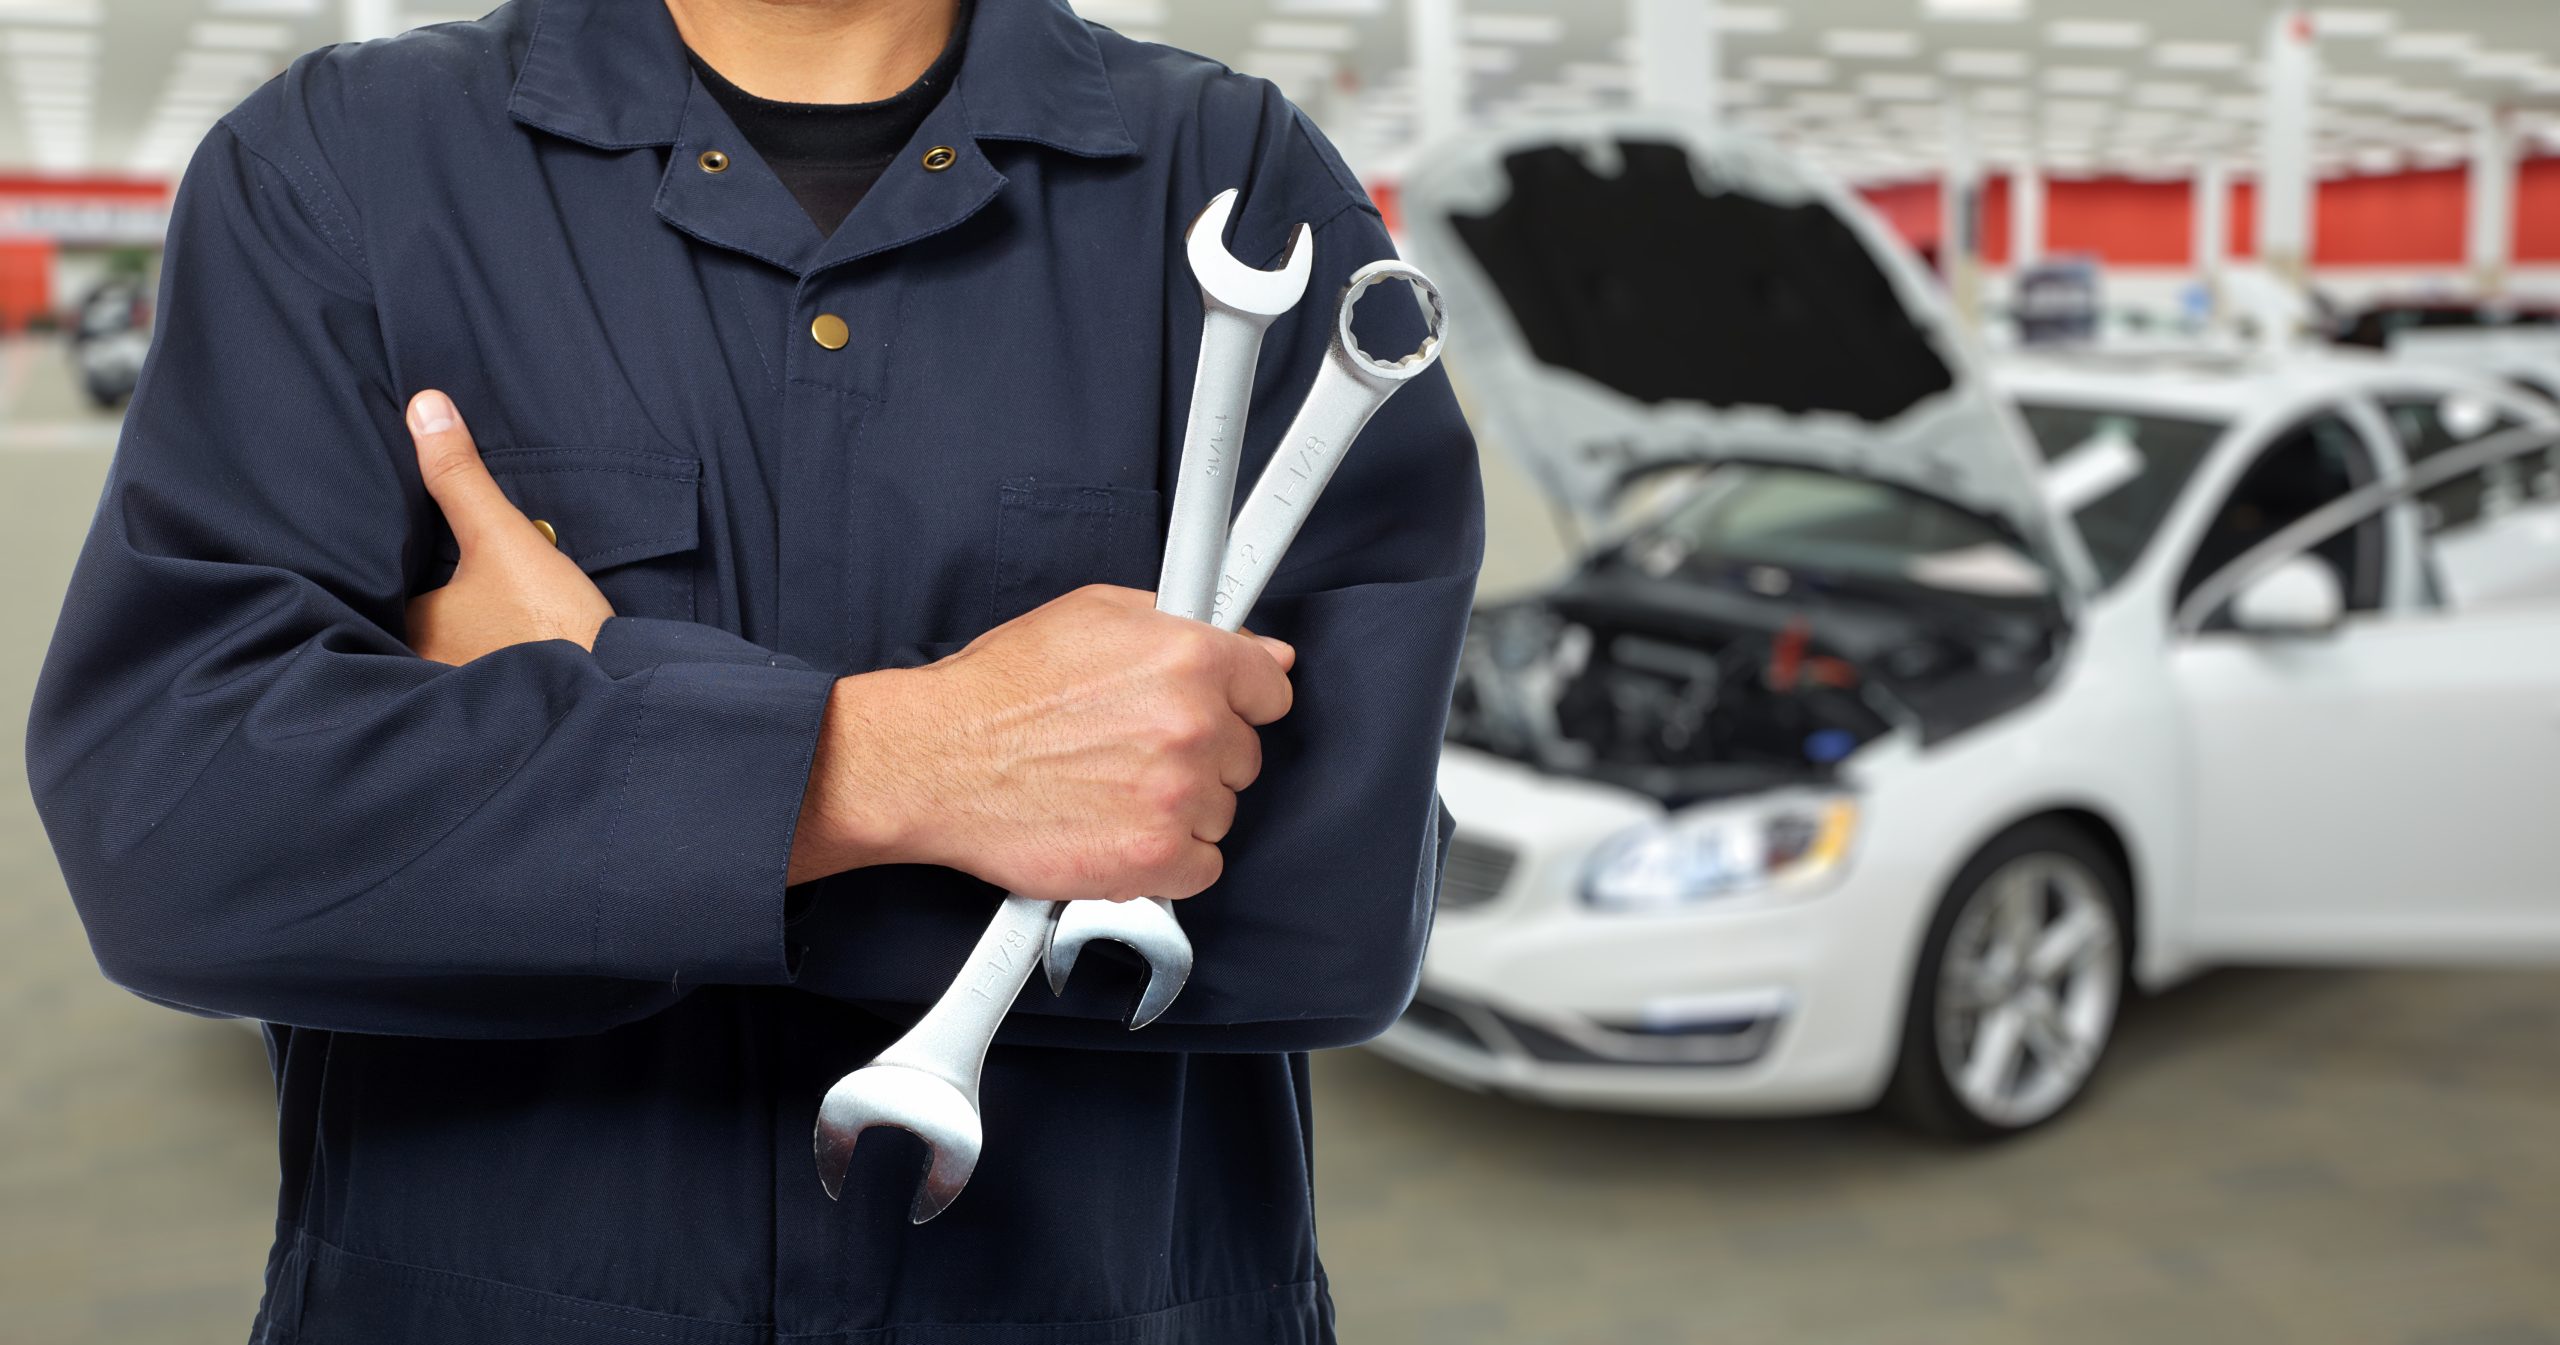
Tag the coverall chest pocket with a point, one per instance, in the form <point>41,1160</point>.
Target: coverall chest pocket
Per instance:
<point>631,519</point>
<point>1052,538</point>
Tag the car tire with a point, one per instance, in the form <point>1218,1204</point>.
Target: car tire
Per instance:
<point>2015,992</point>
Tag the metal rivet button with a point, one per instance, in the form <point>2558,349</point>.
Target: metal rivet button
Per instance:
<point>549,533</point>
<point>829,330</point>
<point>713,161</point>
<point>940,157</point>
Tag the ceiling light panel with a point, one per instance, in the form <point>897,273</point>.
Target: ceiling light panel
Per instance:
<point>2099,34</point>
<point>51,42</point>
<point>1977,64</point>
<point>1279,35</point>
<point>1793,70</point>
<point>2199,56</point>
<point>1899,88</point>
<point>2429,46</point>
<point>1517,30</point>
<point>2353,22</point>
<point>1883,44</point>
<point>2084,79</point>
<point>1750,18</point>
<point>1974,11</point>
<point>241,36</point>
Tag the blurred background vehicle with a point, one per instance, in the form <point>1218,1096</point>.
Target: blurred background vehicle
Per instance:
<point>1926,709</point>
<point>110,331</point>
<point>1897,652</point>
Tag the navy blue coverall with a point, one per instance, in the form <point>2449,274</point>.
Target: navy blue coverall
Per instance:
<point>549,1032</point>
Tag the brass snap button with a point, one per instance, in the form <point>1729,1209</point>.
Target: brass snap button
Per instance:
<point>829,330</point>
<point>940,157</point>
<point>713,161</point>
<point>549,533</point>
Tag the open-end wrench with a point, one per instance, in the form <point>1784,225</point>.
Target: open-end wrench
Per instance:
<point>1238,304</point>
<point>1348,390</point>
<point>926,1082</point>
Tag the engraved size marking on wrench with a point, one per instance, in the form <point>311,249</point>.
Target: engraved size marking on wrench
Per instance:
<point>991,972</point>
<point>1310,457</point>
<point>1229,582</point>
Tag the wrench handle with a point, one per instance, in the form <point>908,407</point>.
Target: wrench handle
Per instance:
<point>1205,481</point>
<point>1348,390</point>
<point>1337,408</point>
<point>954,1034</point>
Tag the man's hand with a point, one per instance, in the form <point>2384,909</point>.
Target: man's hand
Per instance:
<point>1090,748</point>
<point>513,585</point>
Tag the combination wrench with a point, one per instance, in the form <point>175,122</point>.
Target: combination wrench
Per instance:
<point>1238,304</point>
<point>926,1082</point>
<point>1348,390</point>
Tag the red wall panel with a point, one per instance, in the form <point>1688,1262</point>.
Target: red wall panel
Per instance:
<point>2416,218</point>
<point>2396,219</point>
<point>1911,208</point>
<point>26,281</point>
<point>2538,211</point>
<point>2126,223</point>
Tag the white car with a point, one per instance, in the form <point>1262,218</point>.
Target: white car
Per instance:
<point>1874,752</point>
<point>2528,357</point>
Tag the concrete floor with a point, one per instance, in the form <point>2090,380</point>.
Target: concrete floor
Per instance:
<point>2272,1157</point>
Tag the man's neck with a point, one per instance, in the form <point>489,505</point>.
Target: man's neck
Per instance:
<point>817,51</point>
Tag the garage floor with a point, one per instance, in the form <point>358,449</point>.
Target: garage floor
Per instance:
<point>2273,1157</point>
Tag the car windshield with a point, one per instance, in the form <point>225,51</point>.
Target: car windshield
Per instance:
<point>2118,521</point>
<point>1765,526</point>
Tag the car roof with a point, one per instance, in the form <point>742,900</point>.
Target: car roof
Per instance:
<point>2211,384</point>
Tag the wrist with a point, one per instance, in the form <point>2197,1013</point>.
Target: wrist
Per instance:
<point>859,809</point>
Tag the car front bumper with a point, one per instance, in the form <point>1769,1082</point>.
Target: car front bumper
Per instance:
<point>1748,1004</point>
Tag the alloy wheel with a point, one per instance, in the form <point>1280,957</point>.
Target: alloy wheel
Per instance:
<point>2028,989</point>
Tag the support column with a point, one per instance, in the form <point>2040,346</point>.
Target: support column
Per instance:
<point>1960,204</point>
<point>2212,246</point>
<point>2493,200</point>
<point>2285,199</point>
<point>2026,215</point>
<point>1678,56</point>
<point>369,19</point>
<point>1439,70</point>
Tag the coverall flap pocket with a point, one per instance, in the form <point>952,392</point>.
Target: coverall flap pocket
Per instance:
<point>612,509</point>
<point>609,505</point>
<point>1052,537</point>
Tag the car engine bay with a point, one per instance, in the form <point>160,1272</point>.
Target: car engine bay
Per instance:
<point>1688,689</point>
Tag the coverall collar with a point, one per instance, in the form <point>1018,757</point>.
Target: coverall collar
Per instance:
<point>613,74</point>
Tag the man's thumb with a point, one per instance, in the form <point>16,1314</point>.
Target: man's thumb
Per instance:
<point>450,465</point>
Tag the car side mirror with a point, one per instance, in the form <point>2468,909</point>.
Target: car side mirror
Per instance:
<point>2299,597</point>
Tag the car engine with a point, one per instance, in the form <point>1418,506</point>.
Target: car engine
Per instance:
<point>1697,694</point>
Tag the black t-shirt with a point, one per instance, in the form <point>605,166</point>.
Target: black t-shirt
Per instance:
<point>829,154</point>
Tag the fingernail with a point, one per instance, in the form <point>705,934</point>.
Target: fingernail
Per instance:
<point>431,412</point>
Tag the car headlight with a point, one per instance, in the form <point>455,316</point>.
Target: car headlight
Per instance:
<point>1792,843</point>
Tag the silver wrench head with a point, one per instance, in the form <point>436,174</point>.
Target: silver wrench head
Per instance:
<point>1146,927</point>
<point>1435,314</point>
<point>1231,284</point>
<point>919,1103</point>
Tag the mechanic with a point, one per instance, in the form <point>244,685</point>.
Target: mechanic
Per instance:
<point>796,386</point>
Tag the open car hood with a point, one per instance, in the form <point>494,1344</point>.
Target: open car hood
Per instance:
<point>1628,292</point>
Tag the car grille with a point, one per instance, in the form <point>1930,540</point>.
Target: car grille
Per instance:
<point>1477,873</point>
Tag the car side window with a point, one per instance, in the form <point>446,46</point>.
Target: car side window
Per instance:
<point>2429,425</point>
<point>2304,468</point>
